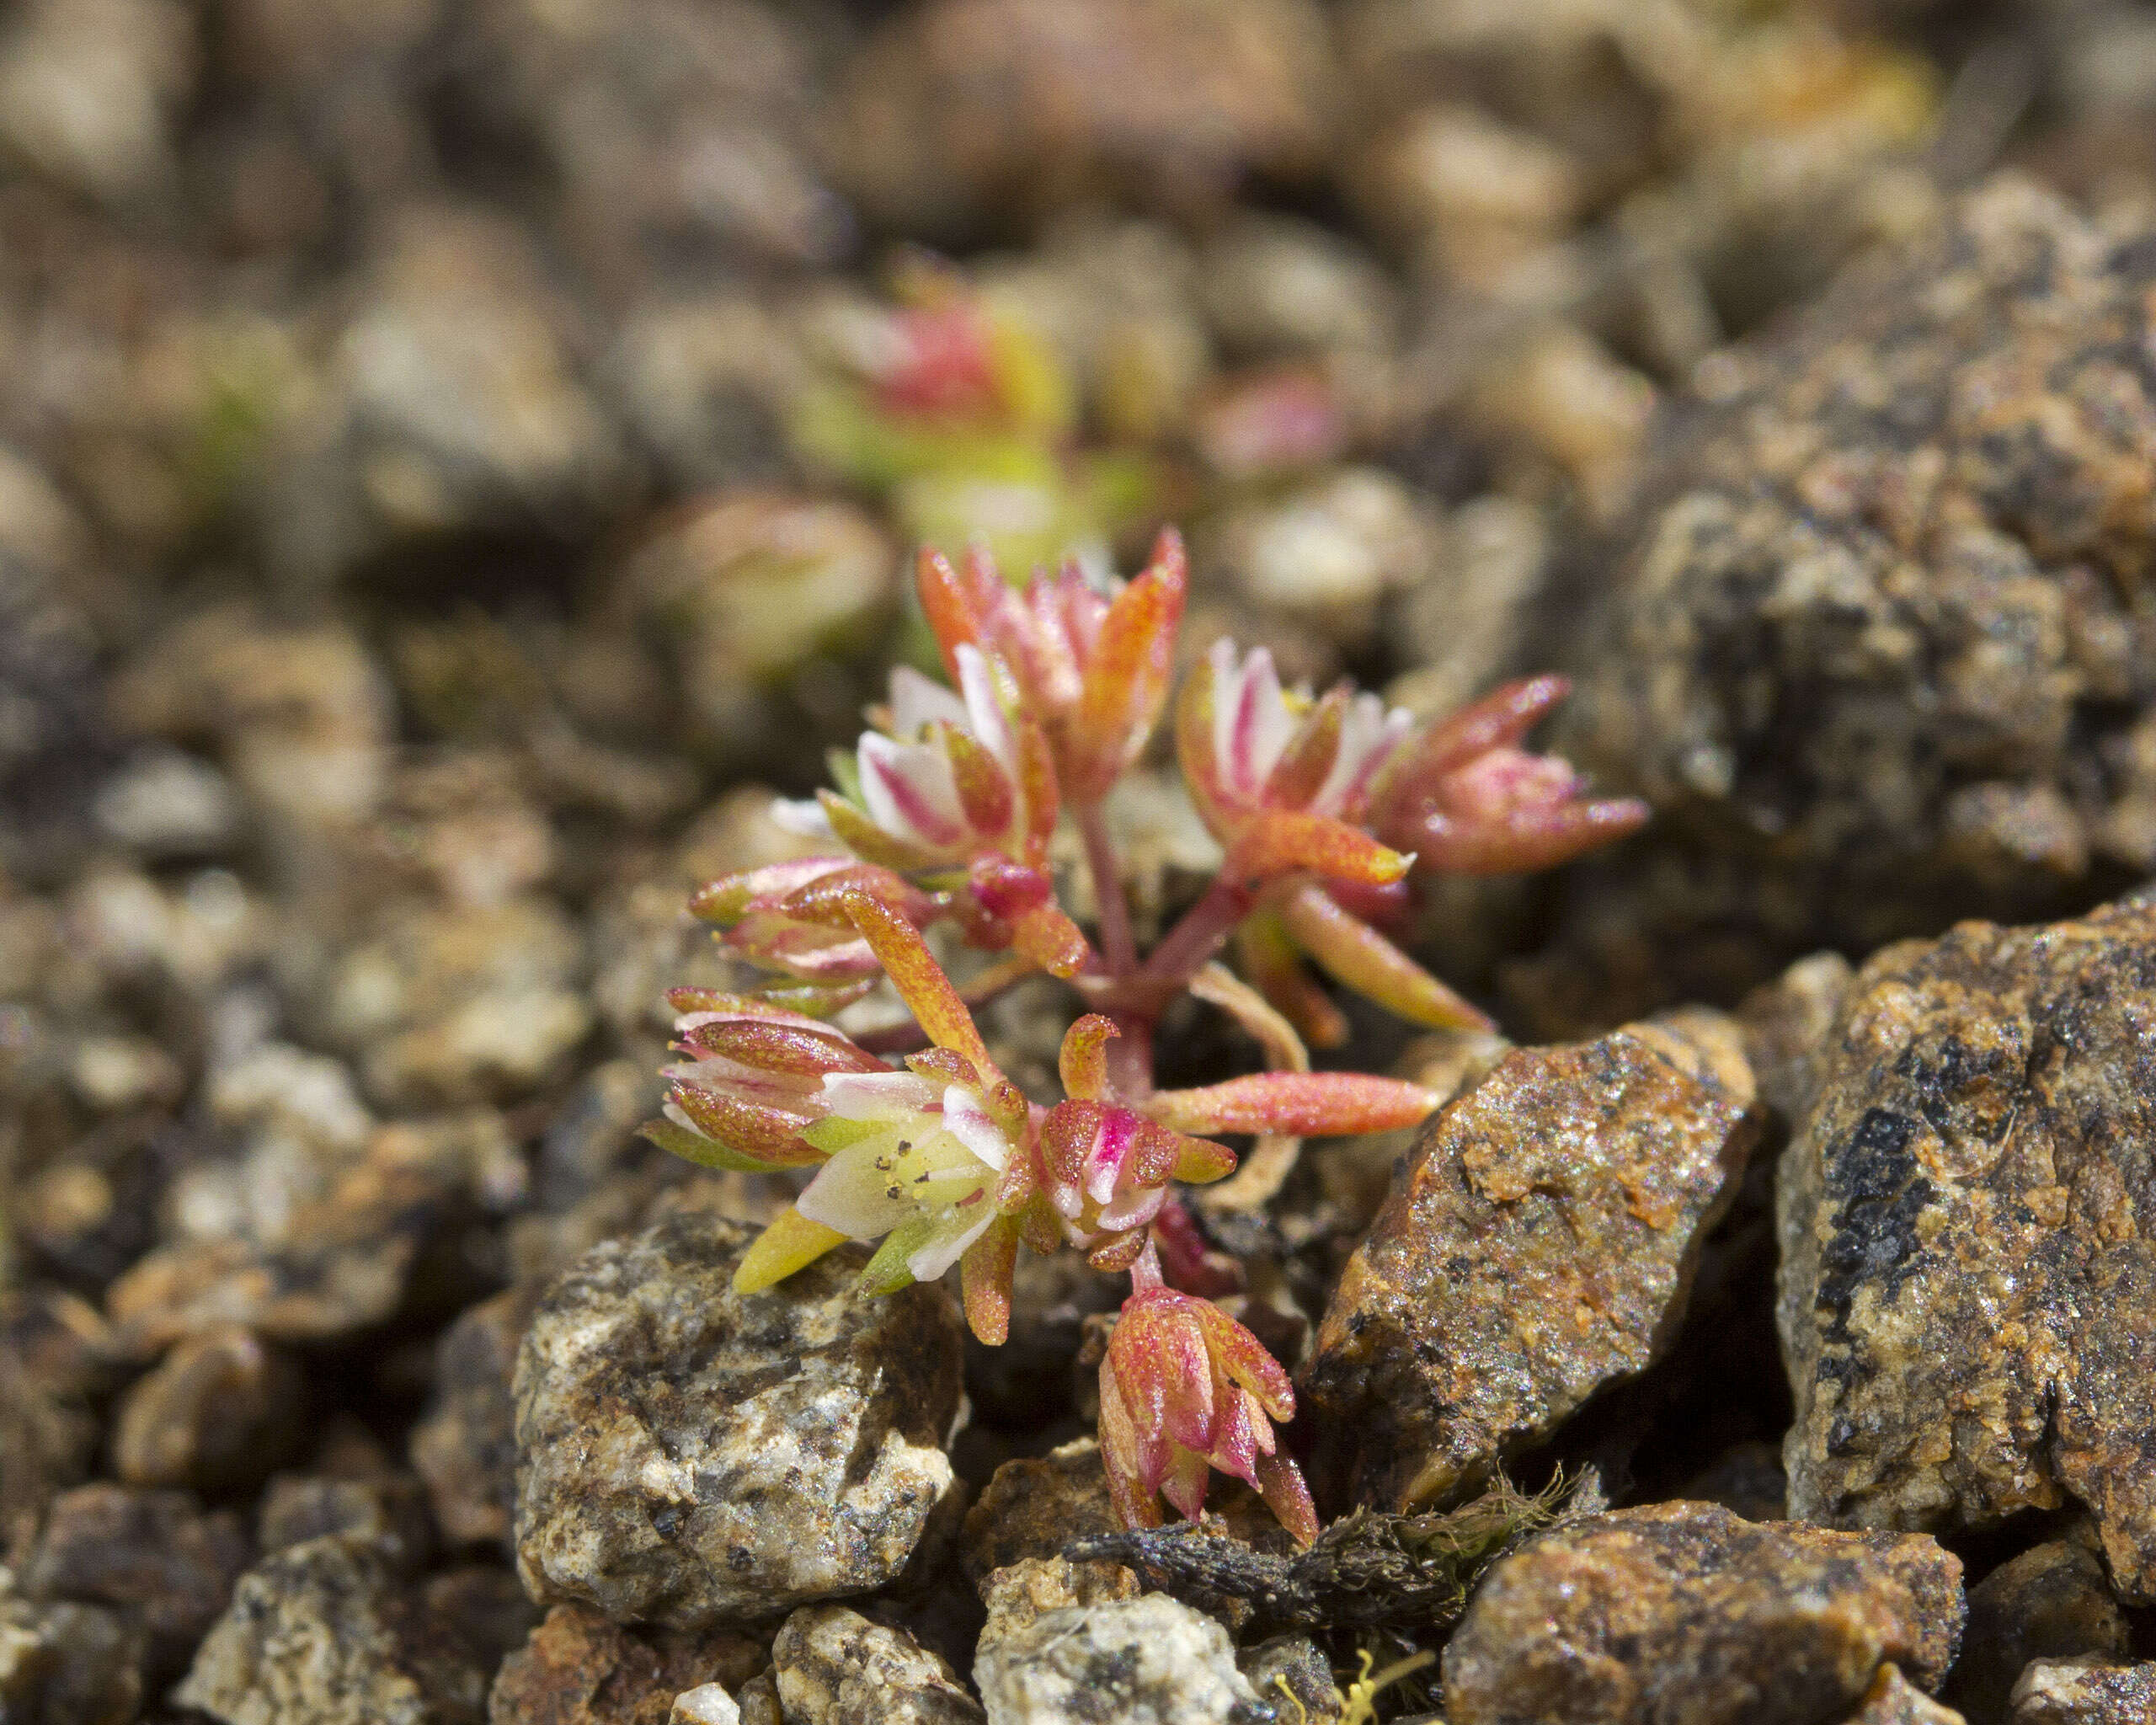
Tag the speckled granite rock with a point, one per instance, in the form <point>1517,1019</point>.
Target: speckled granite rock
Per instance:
<point>1879,642</point>
<point>2052,1602</point>
<point>1893,1699</point>
<point>1539,1245</point>
<point>578,1669</point>
<point>1681,1614</point>
<point>1967,1297</point>
<point>833,1666</point>
<point>323,1633</point>
<point>1146,1661</point>
<point>687,1456</point>
<point>2078,1692</point>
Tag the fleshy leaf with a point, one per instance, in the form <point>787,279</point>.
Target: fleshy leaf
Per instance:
<point>1083,1063</point>
<point>1127,678</point>
<point>1312,1104</point>
<point>1051,940</point>
<point>1290,840</point>
<point>790,1243</point>
<point>677,1139</point>
<point>1358,956</point>
<point>920,982</point>
<point>984,1278</point>
<point>888,1271</point>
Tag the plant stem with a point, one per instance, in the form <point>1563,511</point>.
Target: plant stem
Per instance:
<point>1203,930</point>
<point>1118,948</point>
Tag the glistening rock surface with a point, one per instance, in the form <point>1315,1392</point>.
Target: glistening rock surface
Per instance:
<point>1539,1245</point>
<point>1681,1614</point>
<point>1877,644</point>
<point>1968,1287</point>
<point>687,1456</point>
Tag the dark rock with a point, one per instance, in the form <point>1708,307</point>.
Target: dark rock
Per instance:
<point>324,1634</point>
<point>1034,1507</point>
<point>68,1664</point>
<point>1539,1245</point>
<point>1785,1024</point>
<point>1146,1661</point>
<point>1966,1303</point>
<point>1291,1672</point>
<point>465,1444</point>
<point>833,1666</point>
<point>2085,1692</point>
<point>155,1556</point>
<point>1681,1614</point>
<point>222,1410</point>
<point>1880,639</point>
<point>1747,1480</point>
<point>2050,1603</point>
<point>46,1441</point>
<point>578,1669</point>
<point>388,1510</point>
<point>487,1607</point>
<point>687,1455</point>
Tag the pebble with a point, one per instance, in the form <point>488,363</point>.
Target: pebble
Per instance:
<point>1148,1661</point>
<point>832,1666</point>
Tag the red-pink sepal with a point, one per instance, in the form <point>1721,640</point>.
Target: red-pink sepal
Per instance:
<point>1185,1387</point>
<point>1105,1169</point>
<point>1309,1104</point>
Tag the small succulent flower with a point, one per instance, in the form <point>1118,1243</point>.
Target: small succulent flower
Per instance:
<point>1470,802</point>
<point>1093,667</point>
<point>1104,1167</point>
<point>790,917</point>
<point>1185,1388</point>
<point>1280,778</point>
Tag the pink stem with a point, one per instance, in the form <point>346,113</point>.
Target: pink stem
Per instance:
<point>1118,945</point>
<point>1203,930</point>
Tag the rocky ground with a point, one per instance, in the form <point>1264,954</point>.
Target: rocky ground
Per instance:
<point>444,497</point>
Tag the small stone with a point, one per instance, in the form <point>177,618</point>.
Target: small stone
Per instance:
<point>1036,1505</point>
<point>154,1556</point>
<point>956,109</point>
<point>2053,1602</point>
<point>88,88</point>
<point>487,1607</point>
<point>464,1446</point>
<point>323,1633</point>
<point>1274,285</point>
<point>2085,1692</point>
<point>1328,552</point>
<point>1966,1304</point>
<point>1461,627</point>
<point>46,1440</point>
<point>578,1669</point>
<point>1893,1699</point>
<point>220,1413</point>
<point>1291,1672</point>
<point>388,1510</point>
<point>1747,1479</point>
<point>833,1666</point>
<point>759,1700</point>
<point>1785,1024</point>
<point>1539,1245</point>
<point>1021,1594</point>
<point>162,803</point>
<point>1148,1661</point>
<point>1681,1614</point>
<point>66,1665</point>
<point>687,1455</point>
<point>707,1704</point>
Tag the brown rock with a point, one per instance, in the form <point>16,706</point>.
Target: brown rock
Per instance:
<point>578,1669</point>
<point>1539,1245</point>
<point>464,1447</point>
<point>2050,1603</point>
<point>68,1664</point>
<point>1035,1506</point>
<point>1873,646</point>
<point>688,1455</point>
<point>1681,1614</point>
<point>833,1666</point>
<point>154,1556</point>
<point>1967,1300</point>
<point>1893,1699</point>
<point>1785,1024</point>
<point>2085,1692</point>
<point>959,109</point>
<point>222,1410</point>
<point>389,1509</point>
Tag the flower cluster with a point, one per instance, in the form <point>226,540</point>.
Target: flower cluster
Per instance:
<point>940,823</point>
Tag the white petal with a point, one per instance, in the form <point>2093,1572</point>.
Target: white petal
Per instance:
<point>1133,1208</point>
<point>918,701</point>
<point>984,715</point>
<point>851,1193</point>
<point>805,816</point>
<point>955,1230</point>
<point>969,1123</point>
<point>909,792</point>
<point>1251,725</point>
<point>1368,734</point>
<point>876,1096</point>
